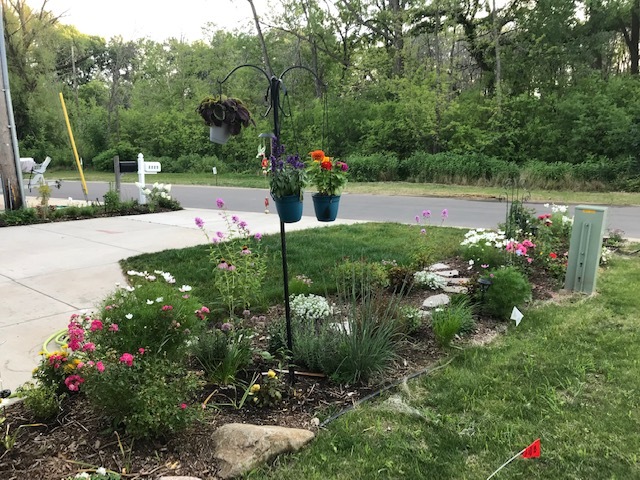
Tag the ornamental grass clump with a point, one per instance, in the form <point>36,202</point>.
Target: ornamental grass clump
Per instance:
<point>223,353</point>
<point>455,318</point>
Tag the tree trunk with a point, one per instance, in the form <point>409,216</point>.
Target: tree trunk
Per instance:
<point>635,38</point>
<point>265,54</point>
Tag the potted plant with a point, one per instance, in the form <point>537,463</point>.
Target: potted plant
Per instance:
<point>225,116</point>
<point>287,181</point>
<point>329,176</point>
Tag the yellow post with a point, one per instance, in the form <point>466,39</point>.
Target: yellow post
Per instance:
<point>75,150</point>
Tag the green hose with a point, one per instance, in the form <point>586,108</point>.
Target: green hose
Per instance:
<point>59,338</point>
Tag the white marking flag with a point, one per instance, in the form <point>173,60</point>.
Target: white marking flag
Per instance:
<point>516,315</point>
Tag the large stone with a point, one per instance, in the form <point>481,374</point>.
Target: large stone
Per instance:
<point>439,266</point>
<point>242,447</point>
<point>455,289</point>
<point>436,301</point>
<point>448,273</point>
<point>458,281</point>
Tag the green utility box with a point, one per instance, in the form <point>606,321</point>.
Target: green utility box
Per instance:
<point>585,248</point>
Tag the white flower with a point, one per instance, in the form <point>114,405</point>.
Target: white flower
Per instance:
<point>101,471</point>
<point>167,187</point>
<point>129,288</point>
<point>429,279</point>
<point>149,302</point>
<point>310,307</point>
<point>159,299</point>
<point>151,278</point>
<point>185,288</point>
<point>546,205</point>
<point>129,316</point>
<point>82,475</point>
<point>146,191</point>
<point>471,262</point>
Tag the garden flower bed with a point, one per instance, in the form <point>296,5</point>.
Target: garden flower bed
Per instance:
<point>146,379</point>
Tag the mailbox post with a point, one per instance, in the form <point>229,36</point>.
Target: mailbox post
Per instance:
<point>145,167</point>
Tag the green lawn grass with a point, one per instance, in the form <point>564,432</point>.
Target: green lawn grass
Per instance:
<point>313,253</point>
<point>569,374</point>
<point>378,188</point>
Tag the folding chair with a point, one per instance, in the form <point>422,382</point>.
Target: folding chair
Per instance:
<point>37,173</point>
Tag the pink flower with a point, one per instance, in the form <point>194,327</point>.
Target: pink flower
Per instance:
<point>100,367</point>
<point>423,231</point>
<point>417,218</point>
<point>204,309</point>
<point>235,218</point>
<point>258,236</point>
<point>73,382</point>
<point>185,296</point>
<point>220,203</point>
<point>426,213</point>
<point>126,358</point>
<point>89,347</point>
<point>141,351</point>
<point>96,325</point>
<point>113,327</point>
<point>108,307</point>
<point>231,268</point>
<point>199,222</point>
<point>183,406</point>
<point>529,259</point>
<point>226,327</point>
<point>220,235</point>
<point>445,213</point>
<point>167,308</point>
<point>223,265</point>
<point>485,265</point>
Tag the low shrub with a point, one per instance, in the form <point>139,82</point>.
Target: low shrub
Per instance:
<point>42,400</point>
<point>373,168</point>
<point>353,277</point>
<point>310,307</point>
<point>153,314</point>
<point>147,396</point>
<point>509,288</point>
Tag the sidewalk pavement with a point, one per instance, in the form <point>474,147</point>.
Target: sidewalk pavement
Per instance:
<point>50,271</point>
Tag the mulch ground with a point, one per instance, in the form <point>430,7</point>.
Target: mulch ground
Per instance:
<point>78,439</point>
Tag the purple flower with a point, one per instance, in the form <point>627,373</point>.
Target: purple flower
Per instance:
<point>220,203</point>
<point>226,327</point>
<point>417,218</point>
<point>445,213</point>
<point>242,224</point>
<point>199,222</point>
<point>235,218</point>
<point>219,234</point>
<point>344,167</point>
<point>215,240</point>
<point>223,266</point>
<point>258,236</point>
<point>426,213</point>
<point>423,231</point>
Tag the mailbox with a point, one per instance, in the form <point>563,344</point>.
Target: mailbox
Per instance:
<point>152,167</point>
<point>128,166</point>
<point>585,248</point>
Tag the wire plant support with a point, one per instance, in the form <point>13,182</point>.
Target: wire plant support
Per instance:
<point>276,86</point>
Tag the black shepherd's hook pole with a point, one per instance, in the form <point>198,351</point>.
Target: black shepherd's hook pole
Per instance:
<point>275,84</point>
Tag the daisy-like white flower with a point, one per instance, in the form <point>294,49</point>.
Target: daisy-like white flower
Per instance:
<point>129,316</point>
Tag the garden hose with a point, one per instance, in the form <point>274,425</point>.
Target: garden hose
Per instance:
<point>382,390</point>
<point>59,338</point>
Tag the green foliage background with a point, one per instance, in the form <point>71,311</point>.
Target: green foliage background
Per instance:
<point>414,91</point>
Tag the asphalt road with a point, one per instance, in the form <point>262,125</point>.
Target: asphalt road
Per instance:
<point>461,213</point>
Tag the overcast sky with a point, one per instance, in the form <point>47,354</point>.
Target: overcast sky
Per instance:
<point>155,19</point>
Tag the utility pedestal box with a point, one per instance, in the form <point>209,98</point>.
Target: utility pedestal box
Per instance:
<point>585,248</point>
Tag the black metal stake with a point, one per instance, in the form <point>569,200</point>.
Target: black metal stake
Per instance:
<point>275,83</point>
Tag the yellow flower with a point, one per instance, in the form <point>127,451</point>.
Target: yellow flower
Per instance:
<point>271,374</point>
<point>64,346</point>
<point>69,367</point>
<point>76,361</point>
<point>255,388</point>
<point>42,352</point>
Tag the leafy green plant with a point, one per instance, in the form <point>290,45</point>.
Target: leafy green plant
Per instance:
<point>159,405</point>
<point>222,353</point>
<point>42,400</point>
<point>450,320</point>
<point>353,276</point>
<point>410,318</point>
<point>155,315</point>
<point>509,288</point>
<point>267,393</point>
<point>111,201</point>
<point>239,264</point>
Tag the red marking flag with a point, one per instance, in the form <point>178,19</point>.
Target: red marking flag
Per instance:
<point>533,450</point>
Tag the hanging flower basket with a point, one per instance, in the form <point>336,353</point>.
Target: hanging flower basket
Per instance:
<point>289,208</point>
<point>326,207</point>
<point>220,134</point>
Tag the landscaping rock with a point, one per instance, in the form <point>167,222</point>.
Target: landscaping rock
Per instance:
<point>455,289</point>
<point>458,281</point>
<point>240,448</point>
<point>439,266</point>
<point>436,301</point>
<point>448,273</point>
